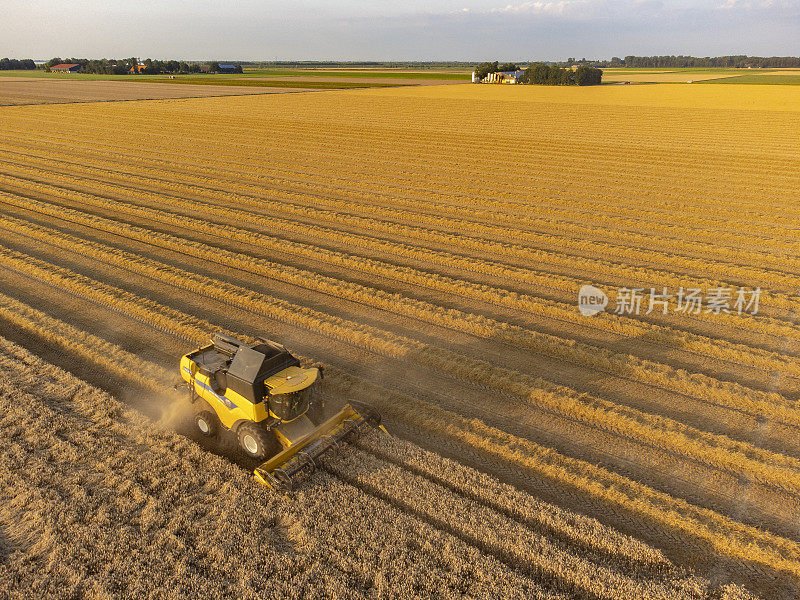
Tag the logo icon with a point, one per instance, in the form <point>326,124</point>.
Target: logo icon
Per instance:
<point>591,300</point>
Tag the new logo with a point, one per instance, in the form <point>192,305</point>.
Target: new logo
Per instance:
<point>591,300</point>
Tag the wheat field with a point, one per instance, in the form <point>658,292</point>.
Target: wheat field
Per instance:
<point>428,245</point>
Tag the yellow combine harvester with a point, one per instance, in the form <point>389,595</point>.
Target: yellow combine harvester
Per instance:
<point>263,395</point>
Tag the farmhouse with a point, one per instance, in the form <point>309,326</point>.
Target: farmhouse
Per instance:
<point>66,68</point>
<point>229,69</point>
<point>504,77</point>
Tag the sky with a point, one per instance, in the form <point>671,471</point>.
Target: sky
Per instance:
<point>468,30</point>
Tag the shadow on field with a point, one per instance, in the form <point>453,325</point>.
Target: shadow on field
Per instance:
<point>5,546</point>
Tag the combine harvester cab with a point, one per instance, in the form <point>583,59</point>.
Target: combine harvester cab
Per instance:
<point>263,395</point>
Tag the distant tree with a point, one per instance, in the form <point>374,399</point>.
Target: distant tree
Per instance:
<point>538,73</point>
<point>542,74</point>
<point>508,67</point>
<point>556,75</point>
<point>588,75</point>
<point>8,64</point>
<point>213,66</point>
<point>483,69</point>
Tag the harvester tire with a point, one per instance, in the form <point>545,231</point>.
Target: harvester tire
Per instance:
<point>207,422</point>
<point>256,442</point>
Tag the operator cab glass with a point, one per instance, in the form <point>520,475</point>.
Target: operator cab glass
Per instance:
<point>290,405</point>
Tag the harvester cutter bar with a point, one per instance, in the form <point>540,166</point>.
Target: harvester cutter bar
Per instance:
<point>280,471</point>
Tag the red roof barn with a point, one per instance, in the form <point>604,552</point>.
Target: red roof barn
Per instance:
<point>66,68</point>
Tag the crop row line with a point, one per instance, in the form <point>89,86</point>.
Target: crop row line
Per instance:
<point>519,547</point>
<point>530,177</point>
<point>440,217</point>
<point>592,202</point>
<point>397,183</point>
<point>717,451</point>
<point>117,361</point>
<point>571,529</point>
<point>624,365</point>
<point>425,149</point>
<point>527,175</point>
<point>448,259</point>
<point>574,250</point>
<point>726,536</point>
<point>395,302</point>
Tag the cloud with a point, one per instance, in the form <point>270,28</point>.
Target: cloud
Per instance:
<point>763,4</point>
<point>545,8</point>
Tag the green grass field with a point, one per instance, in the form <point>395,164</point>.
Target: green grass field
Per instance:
<point>759,80</point>
<point>352,74</point>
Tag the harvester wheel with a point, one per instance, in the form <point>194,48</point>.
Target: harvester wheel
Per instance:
<point>256,442</point>
<point>207,422</point>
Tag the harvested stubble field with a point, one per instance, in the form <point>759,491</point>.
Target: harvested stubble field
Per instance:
<point>387,519</point>
<point>432,258</point>
<point>25,90</point>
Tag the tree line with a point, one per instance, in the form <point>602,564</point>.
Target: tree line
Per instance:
<point>545,74</point>
<point>731,62</point>
<point>113,66</point>
<point>9,64</point>
<point>542,74</point>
